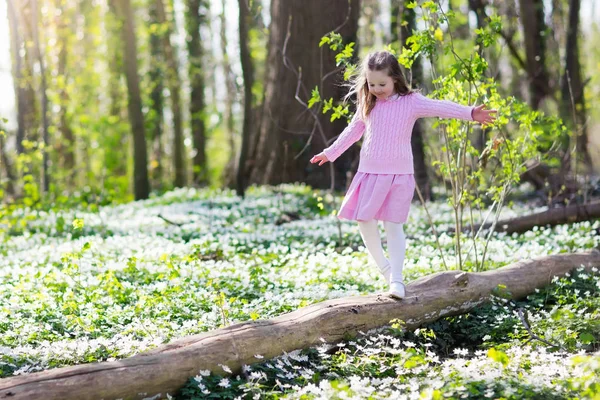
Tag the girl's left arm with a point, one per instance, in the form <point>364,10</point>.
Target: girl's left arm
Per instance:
<point>425,107</point>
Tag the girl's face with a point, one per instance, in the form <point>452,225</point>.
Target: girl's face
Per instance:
<point>380,84</point>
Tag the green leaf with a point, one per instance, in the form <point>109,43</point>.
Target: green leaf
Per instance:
<point>327,105</point>
<point>498,356</point>
<point>315,97</point>
<point>77,223</point>
<point>587,338</point>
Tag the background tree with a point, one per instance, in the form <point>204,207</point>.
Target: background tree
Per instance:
<point>156,116</point>
<point>195,19</point>
<point>174,84</point>
<point>572,86</point>
<point>295,62</point>
<point>534,28</point>
<point>141,185</point>
<point>247,67</point>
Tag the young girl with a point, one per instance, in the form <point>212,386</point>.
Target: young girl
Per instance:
<point>384,185</point>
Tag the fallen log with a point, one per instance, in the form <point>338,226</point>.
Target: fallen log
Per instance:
<point>552,217</point>
<point>167,368</point>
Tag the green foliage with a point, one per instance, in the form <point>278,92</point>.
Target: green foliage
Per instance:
<point>564,313</point>
<point>82,285</point>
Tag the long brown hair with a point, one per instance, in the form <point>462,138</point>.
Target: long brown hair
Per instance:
<point>377,61</point>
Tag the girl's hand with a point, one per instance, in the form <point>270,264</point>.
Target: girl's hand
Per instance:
<point>321,158</point>
<point>483,116</point>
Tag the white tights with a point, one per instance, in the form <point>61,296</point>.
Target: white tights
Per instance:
<point>396,241</point>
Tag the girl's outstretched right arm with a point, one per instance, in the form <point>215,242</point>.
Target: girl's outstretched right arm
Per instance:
<point>350,135</point>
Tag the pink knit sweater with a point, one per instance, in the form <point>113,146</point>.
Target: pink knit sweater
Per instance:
<point>386,148</point>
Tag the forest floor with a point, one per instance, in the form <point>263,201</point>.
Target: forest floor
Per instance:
<point>88,284</point>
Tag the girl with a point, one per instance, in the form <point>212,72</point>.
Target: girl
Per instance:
<point>383,186</point>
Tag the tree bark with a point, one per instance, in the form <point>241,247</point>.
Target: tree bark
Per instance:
<point>43,97</point>
<point>116,165</point>
<point>534,26</point>
<point>22,75</point>
<point>174,84</point>
<point>557,32</point>
<point>195,18</point>
<point>554,216</point>
<point>66,145</point>
<point>231,87</point>
<point>156,74</point>
<point>141,185</point>
<point>396,21</point>
<point>572,88</point>
<point>6,165</point>
<point>167,368</point>
<point>281,154</point>
<point>248,71</point>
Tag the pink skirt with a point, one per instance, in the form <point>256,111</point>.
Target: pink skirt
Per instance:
<point>384,197</point>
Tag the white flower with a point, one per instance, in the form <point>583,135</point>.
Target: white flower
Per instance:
<point>224,383</point>
<point>225,368</point>
<point>461,352</point>
<point>258,356</point>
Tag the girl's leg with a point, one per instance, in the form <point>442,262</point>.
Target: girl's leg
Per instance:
<point>370,236</point>
<point>396,241</point>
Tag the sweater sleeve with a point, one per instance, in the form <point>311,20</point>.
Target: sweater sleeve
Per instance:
<point>350,135</point>
<point>426,107</point>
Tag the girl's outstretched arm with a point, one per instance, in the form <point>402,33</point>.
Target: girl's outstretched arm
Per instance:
<point>425,107</point>
<point>350,135</point>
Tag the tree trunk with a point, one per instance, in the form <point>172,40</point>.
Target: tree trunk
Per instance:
<point>174,83</point>
<point>156,97</point>
<point>134,104</point>
<point>66,145</point>
<point>286,124</point>
<point>247,69</point>
<point>572,88</point>
<point>116,165</point>
<point>195,19</point>
<point>408,25</point>
<point>167,368</point>
<point>534,26</point>
<point>395,21</point>
<point>6,165</point>
<point>554,216</point>
<point>557,31</point>
<point>43,96</point>
<point>518,66</point>
<point>22,75</point>
<point>231,88</point>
